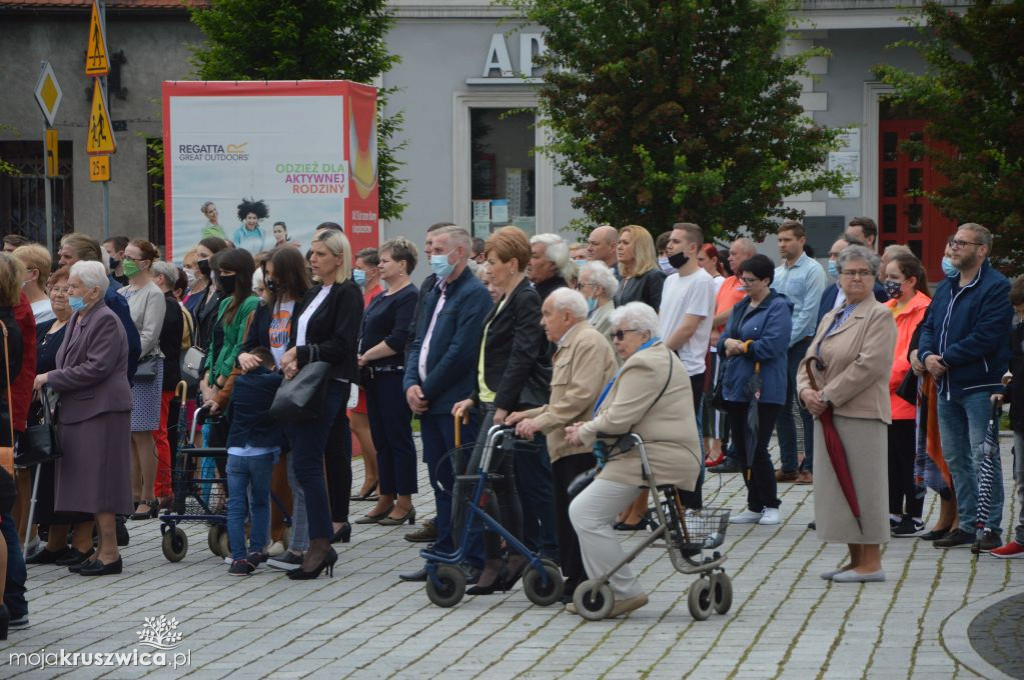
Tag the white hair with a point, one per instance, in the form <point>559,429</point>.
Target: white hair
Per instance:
<point>556,251</point>
<point>569,300</point>
<point>166,270</point>
<point>92,274</point>
<point>458,237</point>
<point>638,316</point>
<point>602,276</point>
<point>859,254</point>
<point>257,279</point>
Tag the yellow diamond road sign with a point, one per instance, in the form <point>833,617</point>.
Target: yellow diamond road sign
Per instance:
<point>100,138</point>
<point>48,93</point>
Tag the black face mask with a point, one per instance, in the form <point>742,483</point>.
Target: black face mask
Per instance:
<point>678,260</point>
<point>227,283</point>
<point>271,285</point>
<point>114,264</point>
<point>204,267</point>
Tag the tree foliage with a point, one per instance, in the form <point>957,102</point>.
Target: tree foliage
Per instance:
<point>972,95</point>
<point>307,40</point>
<point>662,110</point>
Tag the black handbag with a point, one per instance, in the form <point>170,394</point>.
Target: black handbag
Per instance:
<point>39,443</point>
<point>147,368</point>
<point>302,398</point>
<point>908,388</point>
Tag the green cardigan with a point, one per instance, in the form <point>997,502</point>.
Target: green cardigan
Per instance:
<point>221,360</point>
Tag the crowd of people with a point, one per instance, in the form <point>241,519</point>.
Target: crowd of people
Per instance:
<point>876,386</point>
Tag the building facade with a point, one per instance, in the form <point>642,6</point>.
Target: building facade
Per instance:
<point>466,86</point>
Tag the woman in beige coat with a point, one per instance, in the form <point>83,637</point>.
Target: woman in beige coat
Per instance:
<point>650,396</point>
<point>851,356</point>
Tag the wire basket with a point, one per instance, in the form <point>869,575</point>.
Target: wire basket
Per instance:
<point>699,530</point>
<point>198,486</point>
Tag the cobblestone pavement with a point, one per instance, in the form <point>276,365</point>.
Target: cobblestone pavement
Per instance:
<point>785,622</point>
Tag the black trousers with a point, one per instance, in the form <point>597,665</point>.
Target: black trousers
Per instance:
<point>338,464</point>
<point>563,471</point>
<point>695,499</point>
<point>762,491</point>
<point>903,498</point>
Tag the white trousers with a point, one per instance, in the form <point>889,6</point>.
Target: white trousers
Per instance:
<point>593,515</point>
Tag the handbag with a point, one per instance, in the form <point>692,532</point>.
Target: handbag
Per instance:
<point>147,369</point>
<point>7,451</point>
<point>192,365</point>
<point>39,443</point>
<point>302,398</point>
<point>908,388</point>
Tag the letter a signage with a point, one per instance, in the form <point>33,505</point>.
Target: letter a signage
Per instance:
<point>100,138</point>
<point>96,62</point>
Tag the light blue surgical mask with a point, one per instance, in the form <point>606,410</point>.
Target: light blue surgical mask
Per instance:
<point>440,265</point>
<point>665,266</point>
<point>76,302</point>
<point>833,269</point>
<point>947,267</point>
<point>591,305</point>
<point>580,262</point>
<point>359,276</point>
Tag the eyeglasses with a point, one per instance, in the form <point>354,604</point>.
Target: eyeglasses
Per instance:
<point>587,284</point>
<point>748,280</point>
<point>858,273</point>
<point>621,335</point>
<point>958,244</point>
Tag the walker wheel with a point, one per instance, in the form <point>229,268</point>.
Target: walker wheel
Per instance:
<point>450,587</point>
<point>217,539</point>
<point>700,599</point>
<point>175,544</point>
<point>596,606</point>
<point>721,586</point>
<point>540,593</point>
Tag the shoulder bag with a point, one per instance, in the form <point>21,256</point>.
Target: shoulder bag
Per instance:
<point>39,443</point>
<point>301,399</point>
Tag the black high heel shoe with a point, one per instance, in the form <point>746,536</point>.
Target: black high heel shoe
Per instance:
<point>488,587</point>
<point>327,563</point>
<point>646,522</point>
<point>5,621</point>
<point>344,534</point>
<point>515,571</point>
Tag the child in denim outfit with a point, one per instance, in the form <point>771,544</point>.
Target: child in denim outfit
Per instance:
<point>254,443</point>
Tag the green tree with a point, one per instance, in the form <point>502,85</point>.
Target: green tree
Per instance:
<point>307,40</point>
<point>661,110</point>
<point>972,95</point>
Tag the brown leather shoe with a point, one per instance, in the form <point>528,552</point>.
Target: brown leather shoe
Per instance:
<point>804,477</point>
<point>425,534</point>
<point>781,476</point>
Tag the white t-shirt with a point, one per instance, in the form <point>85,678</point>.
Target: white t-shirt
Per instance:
<point>682,295</point>
<point>307,314</point>
<point>42,311</point>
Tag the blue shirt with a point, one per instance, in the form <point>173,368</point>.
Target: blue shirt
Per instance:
<point>254,241</point>
<point>803,284</point>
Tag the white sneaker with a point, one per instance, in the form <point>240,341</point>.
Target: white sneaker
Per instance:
<point>746,517</point>
<point>770,516</point>
<point>276,548</point>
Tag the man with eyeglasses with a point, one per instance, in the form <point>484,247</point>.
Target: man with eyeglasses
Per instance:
<point>963,346</point>
<point>802,280</point>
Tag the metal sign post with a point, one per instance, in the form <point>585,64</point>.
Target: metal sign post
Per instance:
<point>48,96</point>
<point>100,136</point>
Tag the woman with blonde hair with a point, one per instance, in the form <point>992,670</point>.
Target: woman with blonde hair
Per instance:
<point>37,262</point>
<point>642,279</point>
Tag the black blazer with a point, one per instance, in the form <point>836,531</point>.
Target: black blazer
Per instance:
<point>333,331</point>
<point>259,329</point>
<point>645,288</point>
<point>515,351</point>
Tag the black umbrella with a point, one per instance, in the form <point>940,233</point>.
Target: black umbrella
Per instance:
<point>753,390</point>
<point>989,463</point>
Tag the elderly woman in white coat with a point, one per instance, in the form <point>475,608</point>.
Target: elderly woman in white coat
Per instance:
<point>650,396</point>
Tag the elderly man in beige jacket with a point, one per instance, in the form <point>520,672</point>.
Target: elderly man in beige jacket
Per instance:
<point>583,364</point>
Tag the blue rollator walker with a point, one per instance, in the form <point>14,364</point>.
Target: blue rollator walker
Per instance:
<point>687,533</point>
<point>446,583</point>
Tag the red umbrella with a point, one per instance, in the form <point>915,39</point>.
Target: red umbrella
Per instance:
<point>835,448</point>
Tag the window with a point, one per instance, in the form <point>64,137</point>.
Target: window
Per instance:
<point>503,181</point>
<point>155,191</point>
<point>23,196</point>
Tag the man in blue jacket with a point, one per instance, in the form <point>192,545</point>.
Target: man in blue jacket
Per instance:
<point>442,368</point>
<point>963,346</point>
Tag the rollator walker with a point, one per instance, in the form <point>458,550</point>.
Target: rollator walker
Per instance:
<point>687,534</point>
<point>446,583</point>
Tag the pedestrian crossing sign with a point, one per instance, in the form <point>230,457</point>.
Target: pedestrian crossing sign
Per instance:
<point>96,61</point>
<point>100,138</point>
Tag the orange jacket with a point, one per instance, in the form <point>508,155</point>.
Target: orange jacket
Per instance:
<point>906,323</point>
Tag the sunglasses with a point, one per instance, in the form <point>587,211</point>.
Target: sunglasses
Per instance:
<point>621,335</point>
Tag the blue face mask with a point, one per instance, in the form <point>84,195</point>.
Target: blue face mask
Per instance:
<point>440,265</point>
<point>76,302</point>
<point>833,269</point>
<point>894,289</point>
<point>359,276</point>
<point>947,267</point>
<point>580,262</point>
<point>591,305</point>
<point>665,266</point>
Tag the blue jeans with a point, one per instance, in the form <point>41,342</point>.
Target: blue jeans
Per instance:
<point>785,428</point>
<point>249,479</point>
<point>1018,478</point>
<point>309,442</point>
<point>962,425</point>
<point>14,589</point>
<point>438,434</point>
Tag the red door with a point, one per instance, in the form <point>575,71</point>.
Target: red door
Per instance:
<point>906,217</point>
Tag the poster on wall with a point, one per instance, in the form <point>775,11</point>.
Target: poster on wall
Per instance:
<point>263,163</point>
